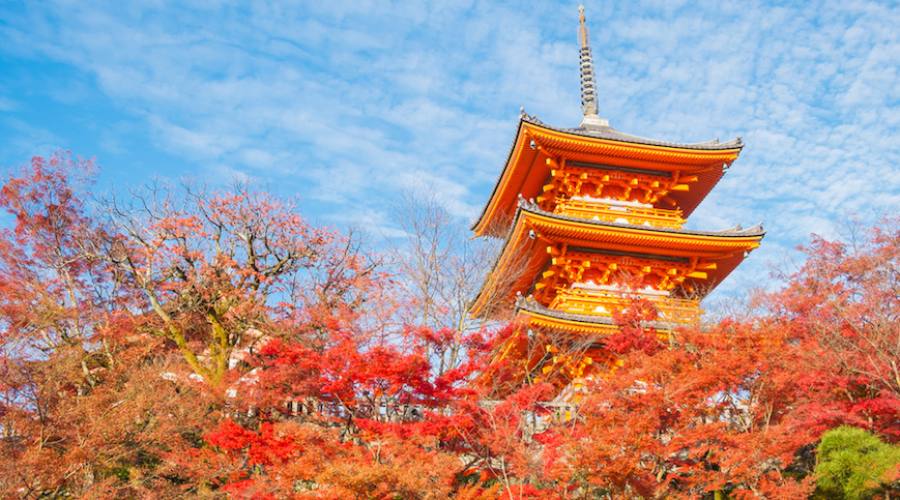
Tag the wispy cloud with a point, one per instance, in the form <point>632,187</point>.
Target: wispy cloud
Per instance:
<point>351,103</point>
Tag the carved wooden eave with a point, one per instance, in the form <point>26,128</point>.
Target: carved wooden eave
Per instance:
<point>536,236</point>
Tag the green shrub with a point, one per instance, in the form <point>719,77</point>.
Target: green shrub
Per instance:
<point>855,464</point>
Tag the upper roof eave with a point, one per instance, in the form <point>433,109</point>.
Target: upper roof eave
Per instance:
<point>509,156</point>
<point>607,135</point>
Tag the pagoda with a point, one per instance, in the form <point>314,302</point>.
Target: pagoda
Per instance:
<point>593,220</point>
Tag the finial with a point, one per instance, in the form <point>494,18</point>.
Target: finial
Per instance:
<point>588,90</point>
<point>582,29</point>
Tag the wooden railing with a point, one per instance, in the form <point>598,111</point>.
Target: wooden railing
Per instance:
<point>605,303</point>
<point>607,212</point>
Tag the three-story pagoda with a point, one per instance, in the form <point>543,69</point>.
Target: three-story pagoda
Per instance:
<point>593,218</point>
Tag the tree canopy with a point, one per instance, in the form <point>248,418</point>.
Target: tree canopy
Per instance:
<point>191,343</point>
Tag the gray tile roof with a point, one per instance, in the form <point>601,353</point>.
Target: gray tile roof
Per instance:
<point>612,134</point>
<point>528,304</point>
<point>737,231</point>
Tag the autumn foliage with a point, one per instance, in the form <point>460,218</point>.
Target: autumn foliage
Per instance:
<point>189,344</point>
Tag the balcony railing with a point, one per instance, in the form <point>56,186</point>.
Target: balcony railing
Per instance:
<point>605,303</point>
<point>609,212</point>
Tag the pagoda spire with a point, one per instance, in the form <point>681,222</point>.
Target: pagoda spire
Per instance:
<point>588,89</point>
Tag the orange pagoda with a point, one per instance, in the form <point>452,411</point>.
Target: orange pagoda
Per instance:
<point>593,219</point>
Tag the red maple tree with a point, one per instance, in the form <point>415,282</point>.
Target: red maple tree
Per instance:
<point>184,343</point>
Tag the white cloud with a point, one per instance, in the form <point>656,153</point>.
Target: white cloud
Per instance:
<point>351,103</point>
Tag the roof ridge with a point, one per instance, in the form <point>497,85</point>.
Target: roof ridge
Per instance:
<point>609,133</point>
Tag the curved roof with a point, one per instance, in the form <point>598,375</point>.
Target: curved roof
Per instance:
<point>526,171</point>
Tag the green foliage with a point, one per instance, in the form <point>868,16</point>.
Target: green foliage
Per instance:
<point>854,464</point>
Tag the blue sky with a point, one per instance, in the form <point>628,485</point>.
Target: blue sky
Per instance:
<point>350,104</point>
